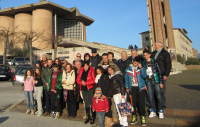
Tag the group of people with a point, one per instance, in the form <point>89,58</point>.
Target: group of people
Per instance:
<point>102,82</point>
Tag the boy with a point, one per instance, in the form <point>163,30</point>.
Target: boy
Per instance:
<point>135,85</point>
<point>154,82</point>
<point>55,89</point>
<point>100,105</point>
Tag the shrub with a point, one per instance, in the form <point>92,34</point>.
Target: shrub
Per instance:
<point>180,59</point>
<point>192,61</point>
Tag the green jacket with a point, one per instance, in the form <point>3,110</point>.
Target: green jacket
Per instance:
<point>45,76</point>
<point>58,83</point>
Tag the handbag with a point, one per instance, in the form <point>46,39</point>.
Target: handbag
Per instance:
<point>125,109</point>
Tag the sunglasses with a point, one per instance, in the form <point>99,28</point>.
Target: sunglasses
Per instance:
<point>78,56</point>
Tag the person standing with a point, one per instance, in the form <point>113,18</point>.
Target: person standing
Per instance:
<point>78,58</point>
<point>134,53</point>
<point>164,60</point>
<point>38,89</point>
<point>122,63</point>
<point>45,79</point>
<point>86,80</point>
<point>44,58</point>
<point>68,83</point>
<point>96,59</point>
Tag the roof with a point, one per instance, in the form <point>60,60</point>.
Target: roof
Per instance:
<point>62,12</point>
<point>183,32</point>
<point>144,32</point>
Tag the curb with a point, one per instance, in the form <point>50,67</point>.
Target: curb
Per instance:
<point>13,105</point>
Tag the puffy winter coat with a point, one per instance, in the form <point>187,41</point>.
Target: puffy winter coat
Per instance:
<point>90,78</point>
<point>58,82</point>
<point>157,73</point>
<point>99,104</point>
<point>141,76</point>
<point>69,80</point>
<point>117,83</point>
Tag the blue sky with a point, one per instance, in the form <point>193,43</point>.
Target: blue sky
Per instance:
<point>119,22</point>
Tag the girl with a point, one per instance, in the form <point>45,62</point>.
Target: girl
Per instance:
<point>68,80</point>
<point>118,91</point>
<point>86,80</point>
<point>38,89</point>
<point>28,90</point>
<point>57,61</point>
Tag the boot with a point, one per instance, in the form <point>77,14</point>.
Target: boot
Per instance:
<point>108,122</point>
<point>93,117</point>
<point>88,115</point>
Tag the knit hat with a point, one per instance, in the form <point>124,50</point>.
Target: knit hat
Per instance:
<point>98,90</point>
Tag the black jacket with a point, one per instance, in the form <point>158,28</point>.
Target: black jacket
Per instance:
<point>164,61</point>
<point>122,65</point>
<point>40,83</point>
<point>129,59</point>
<point>99,58</point>
<point>117,83</point>
<point>104,84</point>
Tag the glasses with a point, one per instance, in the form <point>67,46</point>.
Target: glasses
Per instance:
<point>78,56</point>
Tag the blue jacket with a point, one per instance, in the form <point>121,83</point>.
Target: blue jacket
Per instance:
<point>157,73</point>
<point>141,75</point>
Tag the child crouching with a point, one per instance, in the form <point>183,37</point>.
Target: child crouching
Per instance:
<point>100,105</point>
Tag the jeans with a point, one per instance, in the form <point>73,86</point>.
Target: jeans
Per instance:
<point>47,99</point>
<point>88,97</point>
<point>163,94</point>
<point>101,118</point>
<point>38,94</point>
<point>152,86</point>
<point>29,99</point>
<point>138,98</point>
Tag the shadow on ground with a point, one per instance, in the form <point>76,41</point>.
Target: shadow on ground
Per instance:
<point>3,119</point>
<point>192,87</point>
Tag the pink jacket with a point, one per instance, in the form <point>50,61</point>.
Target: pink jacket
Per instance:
<point>29,85</point>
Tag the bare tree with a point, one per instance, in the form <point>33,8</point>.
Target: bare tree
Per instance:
<point>6,33</point>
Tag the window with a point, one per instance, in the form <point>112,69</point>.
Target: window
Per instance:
<point>147,38</point>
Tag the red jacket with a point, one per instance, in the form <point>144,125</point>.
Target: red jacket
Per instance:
<point>100,105</point>
<point>90,78</point>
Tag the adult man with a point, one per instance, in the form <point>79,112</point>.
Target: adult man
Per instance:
<point>106,62</point>
<point>133,55</point>
<point>96,59</point>
<point>164,60</point>
<point>44,58</point>
<point>45,79</point>
<point>78,57</point>
<point>122,63</point>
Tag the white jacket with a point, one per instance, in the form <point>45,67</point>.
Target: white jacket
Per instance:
<point>69,80</point>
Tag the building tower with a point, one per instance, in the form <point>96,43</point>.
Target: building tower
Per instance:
<point>160,24</point>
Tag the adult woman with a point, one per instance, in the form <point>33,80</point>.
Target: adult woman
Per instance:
<point>118,91</point>
<point>65,62</point>
<point>87,57</point>
<point>57,61</point>
<point>68,83</point>
<point>86,80</point>
<point>102,81</point>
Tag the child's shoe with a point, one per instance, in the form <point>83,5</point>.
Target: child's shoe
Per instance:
<point>36,112</point>
<point>53,114</point>
<point>32,112</point>
<point>152,113</point>
<point>57,115</point>
<point>28,111</point>
<point>134,119</point>
<point>161,114</point>
<point>143,120</point>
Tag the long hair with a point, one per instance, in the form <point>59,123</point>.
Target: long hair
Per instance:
<point>58,61</point>
<point>25,74</point>
<point>86,54</point>
<point>37,75</point>
<point>67,65</point>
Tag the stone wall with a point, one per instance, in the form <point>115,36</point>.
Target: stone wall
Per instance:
<point>192,66</point>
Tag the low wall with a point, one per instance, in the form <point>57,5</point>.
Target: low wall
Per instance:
<point>192,66</point>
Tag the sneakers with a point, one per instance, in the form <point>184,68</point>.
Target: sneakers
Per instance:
<point>36,112</point>
<point>39,114</point>
<point>161,115</point>
<point>152,113</point>
<point>32,112</point>
<point>134,119</point>
<point>57,115</point>
<point>143,120</point>
<point>53,114</point>
<point>28,111</point>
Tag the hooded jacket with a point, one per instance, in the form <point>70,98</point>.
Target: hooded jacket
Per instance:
<point>90,78</point>
<point>157,73</point>
<point>117,83</point>
<point>110,63</point>
<point>141,76</point>
<point>69,80</point>
<point>58,82</point>
<point>100,104</point>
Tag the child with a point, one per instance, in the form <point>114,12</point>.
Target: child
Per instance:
<point>28,90</point>
<point>154,83</point>
<point>118,91</point>
<point>100,105</point>
<point>38,89</point>
<point>135,85</point>
<point>55,89</point>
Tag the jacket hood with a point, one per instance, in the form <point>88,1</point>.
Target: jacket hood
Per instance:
<point>115,73</point>
<point>110,62</point>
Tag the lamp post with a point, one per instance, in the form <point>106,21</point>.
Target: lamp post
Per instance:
<point>74,49</point>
